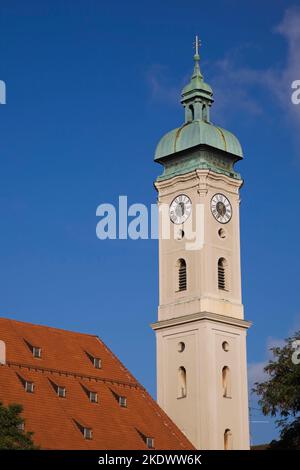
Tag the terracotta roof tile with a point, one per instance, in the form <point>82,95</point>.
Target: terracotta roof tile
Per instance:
<point>64,363</point>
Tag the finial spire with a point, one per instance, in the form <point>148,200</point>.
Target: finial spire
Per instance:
<point>196,96</point>
<point>197,45</point>
<point>197,72</point>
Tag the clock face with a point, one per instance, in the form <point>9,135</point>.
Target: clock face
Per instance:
<point>221,208</point>
<point>180,209</point>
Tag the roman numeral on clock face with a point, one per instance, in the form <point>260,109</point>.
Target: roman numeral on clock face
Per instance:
<point>180,209</point>
<point>221,208</point>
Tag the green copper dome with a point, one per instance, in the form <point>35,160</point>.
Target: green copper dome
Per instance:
<point>198,131</point>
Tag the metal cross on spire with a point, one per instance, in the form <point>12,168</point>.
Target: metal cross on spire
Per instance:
<point>197,44</point>
<point>197,72</point>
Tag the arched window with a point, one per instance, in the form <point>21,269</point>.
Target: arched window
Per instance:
<point>222,274</point>
<point>204,112</point>
<point>228,443</point>
<point>181,272</point>
<point>181,382</point>
<point>226,382</point>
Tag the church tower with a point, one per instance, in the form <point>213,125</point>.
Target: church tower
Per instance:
<point>201,331</point>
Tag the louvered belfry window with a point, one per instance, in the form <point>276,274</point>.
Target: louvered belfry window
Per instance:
<point>182,282</point>
<point>222,281</point>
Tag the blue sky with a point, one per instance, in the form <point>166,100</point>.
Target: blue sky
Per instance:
<point>91,87</point>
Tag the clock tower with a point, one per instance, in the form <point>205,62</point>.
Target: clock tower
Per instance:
<point>201,331</point>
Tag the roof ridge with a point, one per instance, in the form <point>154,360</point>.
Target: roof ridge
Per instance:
<point>12,322</point>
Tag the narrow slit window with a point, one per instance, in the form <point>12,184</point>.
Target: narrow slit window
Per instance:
<point>182,277</point>
<point>226,382</point>
<point>192,112</point>
<point>228,442</point>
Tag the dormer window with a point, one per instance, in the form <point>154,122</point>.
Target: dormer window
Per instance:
<point>93,397</point>
<point>149,442</point>
<point>123,402</point>
<point>27,383</point>
<point>87,433</point>
<point>121,399</point>
<point>36,352</point>
<point>21,426</point>
<point>61,391</point>
<point>91,394</point>
<point>97,362</point>
<point>29,387</point>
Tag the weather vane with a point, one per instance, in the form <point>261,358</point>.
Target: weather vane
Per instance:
<point>197,44</point>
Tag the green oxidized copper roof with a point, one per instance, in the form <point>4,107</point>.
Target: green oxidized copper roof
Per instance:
<point>198,133</point>
<point>197,84</point>
<point>197,130</point>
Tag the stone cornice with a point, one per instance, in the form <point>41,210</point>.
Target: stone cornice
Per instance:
<point>200,178</point>
<point>200,317</point>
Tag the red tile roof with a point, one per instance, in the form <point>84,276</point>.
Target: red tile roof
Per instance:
<point>65,361</point>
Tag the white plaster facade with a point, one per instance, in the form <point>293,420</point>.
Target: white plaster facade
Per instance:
<point>204,318</point>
